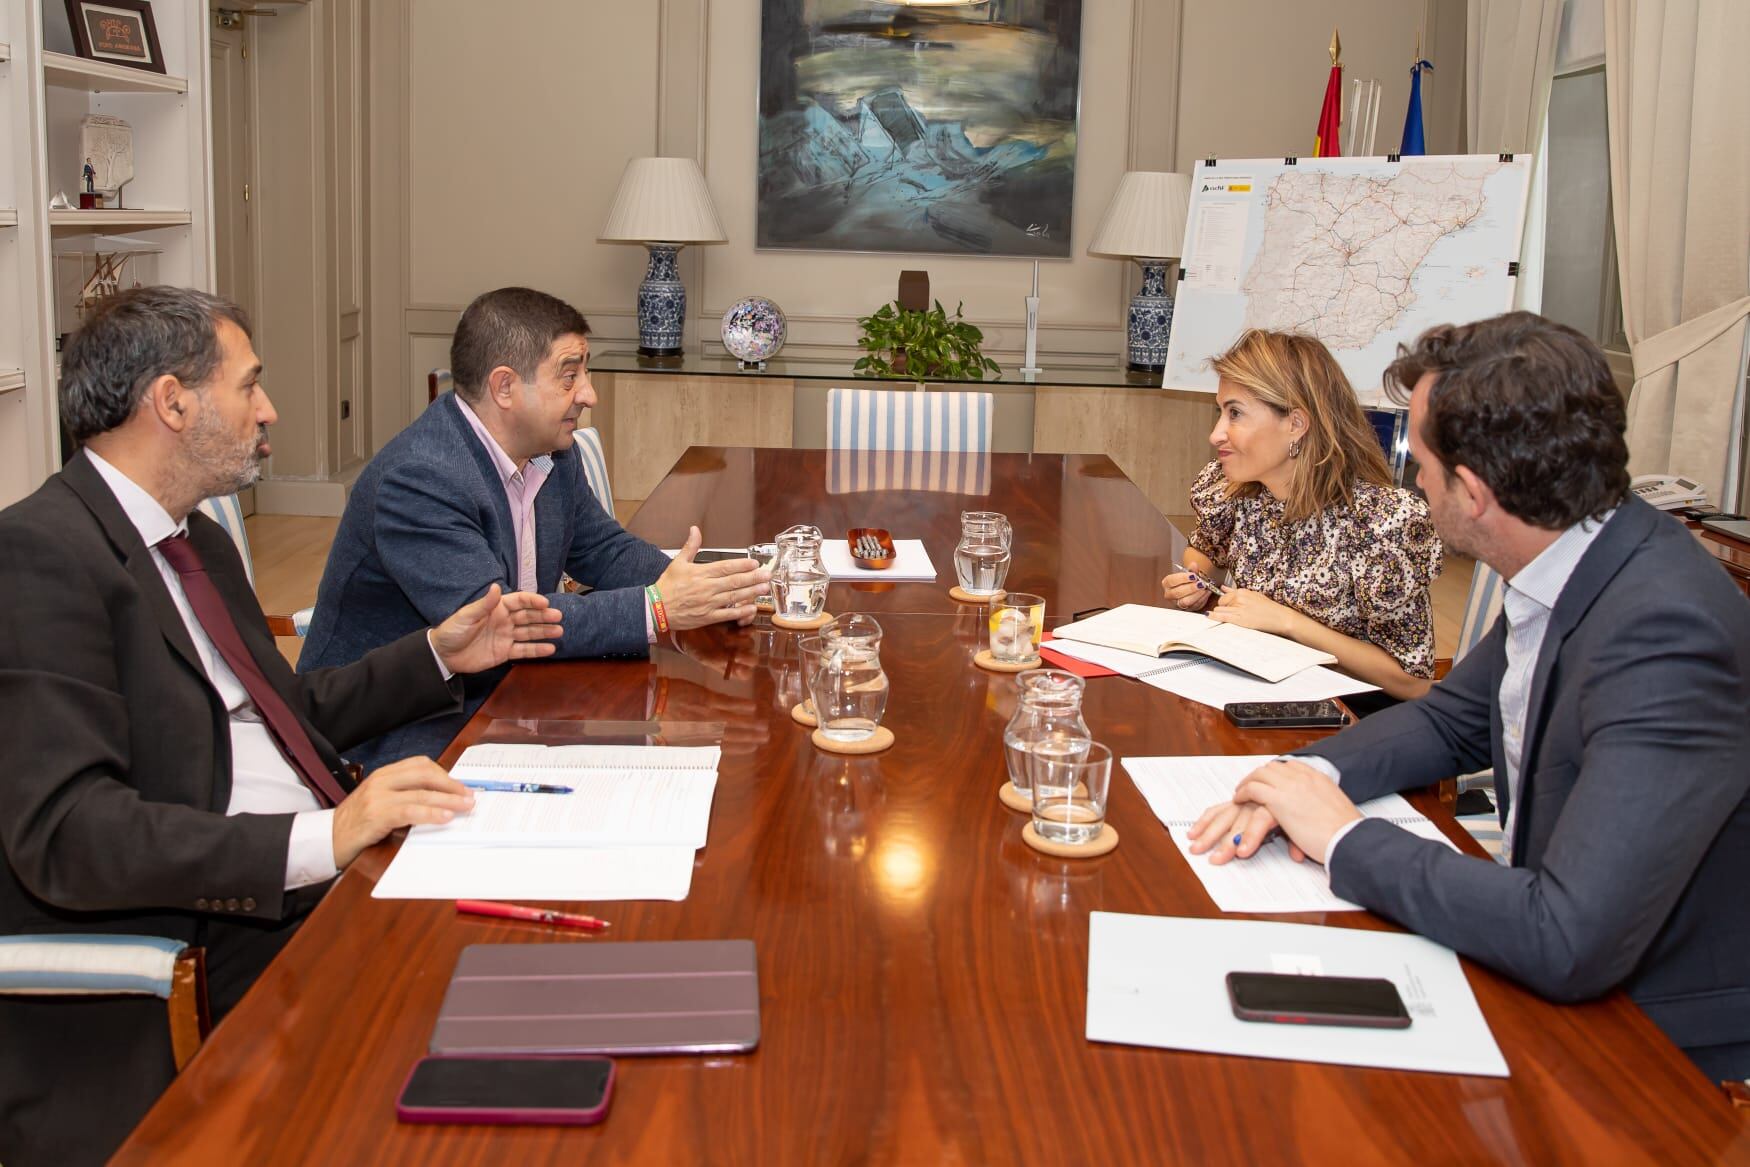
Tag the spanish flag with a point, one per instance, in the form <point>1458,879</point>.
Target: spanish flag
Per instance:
<point>1328,143</point>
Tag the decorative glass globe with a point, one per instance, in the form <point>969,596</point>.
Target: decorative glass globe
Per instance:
<point>754,329</point>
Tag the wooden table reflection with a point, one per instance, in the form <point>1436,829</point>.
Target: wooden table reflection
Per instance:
<point>923,973</point>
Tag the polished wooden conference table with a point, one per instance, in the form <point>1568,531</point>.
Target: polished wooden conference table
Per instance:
<point>923,973</point>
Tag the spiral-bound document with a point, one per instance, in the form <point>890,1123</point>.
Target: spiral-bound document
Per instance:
<point>626,831</point>
<point>1179,790</point>
<point>621,796</point>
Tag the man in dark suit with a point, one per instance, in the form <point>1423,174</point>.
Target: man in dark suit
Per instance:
<point>166,774</point>
<point>486,487</point>
<point>1610,699</point>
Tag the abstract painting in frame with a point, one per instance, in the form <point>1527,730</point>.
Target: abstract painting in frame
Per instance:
<point>944,127</point>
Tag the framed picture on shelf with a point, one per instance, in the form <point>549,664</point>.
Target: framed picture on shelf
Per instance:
<point>120,32</point>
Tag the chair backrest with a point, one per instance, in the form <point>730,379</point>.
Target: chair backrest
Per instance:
<point>438,381</point>
<point>908,419</point>
<point>227,511</point>
<point>595,464</point>
<point>1481,607</point>
<point>83,964</point>
<point>1392,427</point>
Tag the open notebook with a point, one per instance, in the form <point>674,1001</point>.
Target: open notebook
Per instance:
<point>1154,631</point>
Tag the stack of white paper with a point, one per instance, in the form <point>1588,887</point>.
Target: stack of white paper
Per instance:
<point>1162,981</point>
<point>628,829</point>
<point>910,562</point>
<point>1209,682</point>
<point>1179,790</point>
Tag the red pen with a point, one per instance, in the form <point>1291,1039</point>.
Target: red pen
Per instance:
<point>533,915</point>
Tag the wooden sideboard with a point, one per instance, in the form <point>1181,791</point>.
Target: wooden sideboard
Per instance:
<point>1732,553</point>
<point>650,412</point>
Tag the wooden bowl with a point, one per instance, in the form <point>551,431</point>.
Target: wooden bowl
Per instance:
<point>881,563</point>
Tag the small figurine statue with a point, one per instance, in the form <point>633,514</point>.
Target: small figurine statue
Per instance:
<point>90,173</point>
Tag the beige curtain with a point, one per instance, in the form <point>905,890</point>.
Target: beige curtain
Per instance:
<point>1510,56</point>
<point>1679,105</point>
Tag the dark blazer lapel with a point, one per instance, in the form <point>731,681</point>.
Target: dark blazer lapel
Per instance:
<point>1627,529</point>
<point>84,480</point>
<point>464,435</point>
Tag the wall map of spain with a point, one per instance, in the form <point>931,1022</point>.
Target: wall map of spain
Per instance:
<point>1360,252</point>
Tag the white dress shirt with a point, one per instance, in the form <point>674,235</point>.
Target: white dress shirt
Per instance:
<point>1530,597</point>
<point>262,781</point>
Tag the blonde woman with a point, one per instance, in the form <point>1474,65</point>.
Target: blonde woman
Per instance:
<point>1299,506</point>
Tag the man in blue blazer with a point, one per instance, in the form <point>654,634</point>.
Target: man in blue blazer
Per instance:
<point>486,487</point>
<point>1611,699</point>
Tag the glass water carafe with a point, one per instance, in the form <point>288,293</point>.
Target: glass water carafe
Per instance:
<point>981,558</point>
<point>799,580</point>
<point>1047,722</point>
<point>850,688</point>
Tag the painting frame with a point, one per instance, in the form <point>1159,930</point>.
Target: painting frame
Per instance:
<point>129,36</point>
<point>945,175</point>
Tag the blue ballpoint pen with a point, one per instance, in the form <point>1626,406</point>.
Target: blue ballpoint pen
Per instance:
<point>514,787</point>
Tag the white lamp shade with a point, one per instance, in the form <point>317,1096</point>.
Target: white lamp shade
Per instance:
<point>1146,217</point>
<point>662,200</point>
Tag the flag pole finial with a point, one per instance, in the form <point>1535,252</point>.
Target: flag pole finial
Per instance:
<point>1417,61</point>
<point>1336,49</point>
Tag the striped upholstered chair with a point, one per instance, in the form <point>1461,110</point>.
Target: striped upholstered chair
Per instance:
<point>227,511</point>
<point>881,439</point>
<point>109,965</point>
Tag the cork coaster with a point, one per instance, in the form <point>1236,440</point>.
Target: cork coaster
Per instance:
<point>801,714</point>
<point>1015,798</point>
<point>954,593</point>
<point>820,621</point>
<point>881,739</point>
<point>991,664</point>
<point>1100,844</point>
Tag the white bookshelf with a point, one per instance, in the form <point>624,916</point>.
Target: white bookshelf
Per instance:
<point>165,212</point>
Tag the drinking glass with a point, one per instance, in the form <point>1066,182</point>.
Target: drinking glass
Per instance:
<point>981,558</point>
<point>808,651</point>
<point>1048,717</point>
<point>766,555</point>
<point>1069,794</point>
<point>1017,622</point>
<point>850,688</point>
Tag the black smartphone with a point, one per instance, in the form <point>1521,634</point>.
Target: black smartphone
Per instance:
<point>556,1090</point>
<point>719,556</point>
<point>1287,999</point>
<point>1285,714</point>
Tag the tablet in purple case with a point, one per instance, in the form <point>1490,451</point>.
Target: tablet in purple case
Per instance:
<point>596,997</point>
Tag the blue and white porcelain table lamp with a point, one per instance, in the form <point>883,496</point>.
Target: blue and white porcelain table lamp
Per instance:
<point>1146,222</point>
<point>664,204</point>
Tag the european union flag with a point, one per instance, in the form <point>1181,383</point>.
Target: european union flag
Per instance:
<point>1414,143</point>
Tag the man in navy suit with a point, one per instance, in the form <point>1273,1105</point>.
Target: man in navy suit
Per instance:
<point>1610,699</point>
<point>486,487</point>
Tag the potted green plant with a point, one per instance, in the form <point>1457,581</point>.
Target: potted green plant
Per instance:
<point>922,345</point>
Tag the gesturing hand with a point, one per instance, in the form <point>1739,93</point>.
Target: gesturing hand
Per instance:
<point>1251,609</point>
<point>697,594</point>
<point>401,794</point>
<point>496,628</point>
<point>1186,591</point>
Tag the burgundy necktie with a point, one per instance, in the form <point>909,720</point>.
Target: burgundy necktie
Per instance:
<point>288,732</point>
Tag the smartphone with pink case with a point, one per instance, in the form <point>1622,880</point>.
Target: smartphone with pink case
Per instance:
<point>527,1089</point>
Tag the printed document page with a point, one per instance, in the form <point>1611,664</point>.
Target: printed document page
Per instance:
<point>1209,682</point>
<point>1179,790</point>
<point>537,873</point>
<point>1162,981</point>
<point>621,796</point>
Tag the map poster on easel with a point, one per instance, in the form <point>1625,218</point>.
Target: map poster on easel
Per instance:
<point>1362,253</point>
